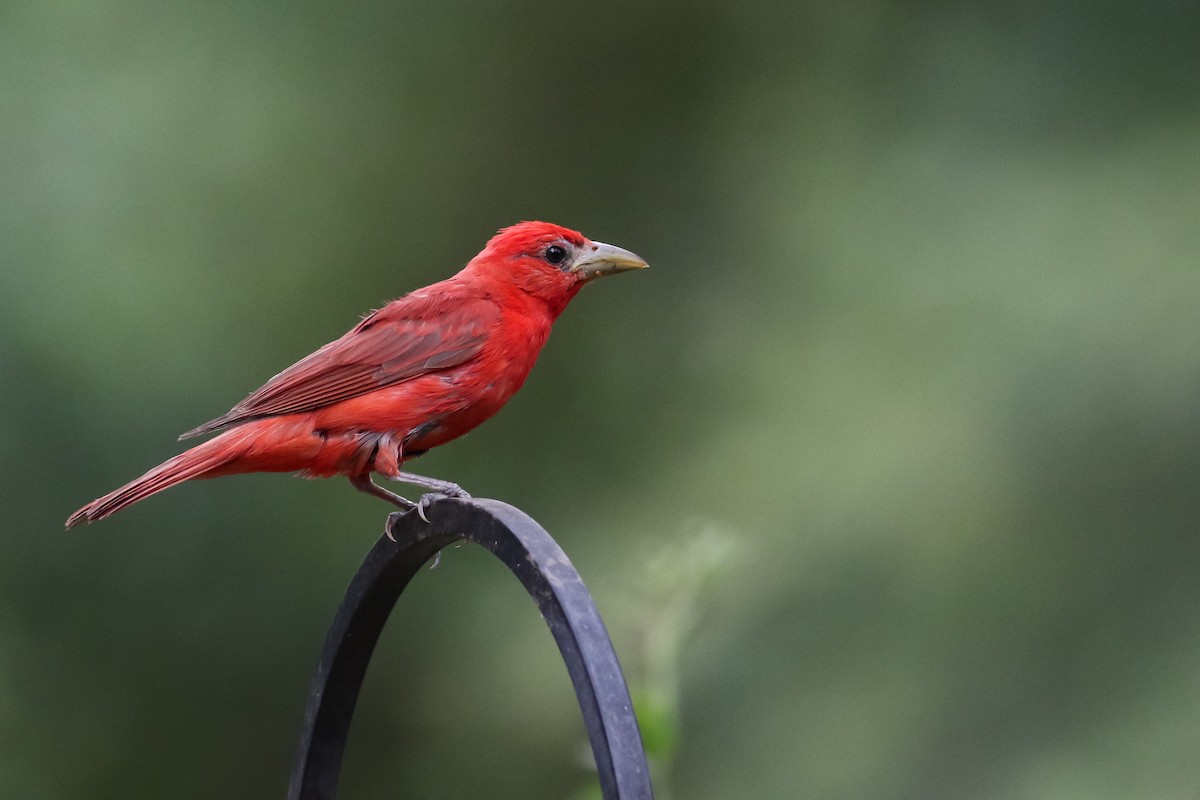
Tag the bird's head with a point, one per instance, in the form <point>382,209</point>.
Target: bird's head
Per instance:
<point>549,261</point>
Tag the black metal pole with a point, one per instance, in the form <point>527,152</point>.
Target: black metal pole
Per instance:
<point>547,574</point>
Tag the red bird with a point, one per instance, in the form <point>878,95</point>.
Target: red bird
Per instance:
<point>420,371</point>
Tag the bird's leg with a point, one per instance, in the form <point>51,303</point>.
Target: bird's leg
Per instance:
<point>364,483</point>
<point>439,488</point>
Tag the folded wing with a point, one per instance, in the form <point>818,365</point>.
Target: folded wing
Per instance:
<point>407,338</point>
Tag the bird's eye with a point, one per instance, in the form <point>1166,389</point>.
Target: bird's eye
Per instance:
<point>555,254</point>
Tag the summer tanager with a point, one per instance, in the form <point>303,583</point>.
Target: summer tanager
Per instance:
<point>420,371</point>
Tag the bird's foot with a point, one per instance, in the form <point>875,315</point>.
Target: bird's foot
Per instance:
<point>438,489</point>
<point>364,484</point>
<point>449,490</point>
<point>394,518</point>
<point>443,489</point>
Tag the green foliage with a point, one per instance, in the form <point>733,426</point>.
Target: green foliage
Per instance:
<point>655,616</point>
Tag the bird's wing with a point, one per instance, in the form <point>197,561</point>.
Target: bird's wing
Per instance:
<point>409,337</point>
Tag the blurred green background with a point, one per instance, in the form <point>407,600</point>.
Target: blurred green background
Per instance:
<point>886,475</point>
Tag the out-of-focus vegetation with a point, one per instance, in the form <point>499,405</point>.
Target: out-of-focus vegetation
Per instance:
<point>920,337</point>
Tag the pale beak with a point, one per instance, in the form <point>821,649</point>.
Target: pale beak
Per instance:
<point>600,259</point>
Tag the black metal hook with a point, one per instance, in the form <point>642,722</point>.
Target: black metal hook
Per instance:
<point>543,568</point>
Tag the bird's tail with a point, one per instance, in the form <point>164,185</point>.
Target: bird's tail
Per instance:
<point>202,461</point>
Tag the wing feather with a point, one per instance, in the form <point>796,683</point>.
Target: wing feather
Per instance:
<point>405,339</point>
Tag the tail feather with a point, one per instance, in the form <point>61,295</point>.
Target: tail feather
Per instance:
<point>194,463</point>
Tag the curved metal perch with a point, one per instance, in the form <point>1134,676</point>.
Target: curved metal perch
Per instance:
<point>543,568</point>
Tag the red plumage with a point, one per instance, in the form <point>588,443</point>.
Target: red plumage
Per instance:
<point>415,374</point>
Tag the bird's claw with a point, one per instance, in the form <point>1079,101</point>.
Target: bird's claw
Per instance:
<point>426,500</point>
<point>441,489</point>
<point>449,490</point>
<point>392,519</point>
